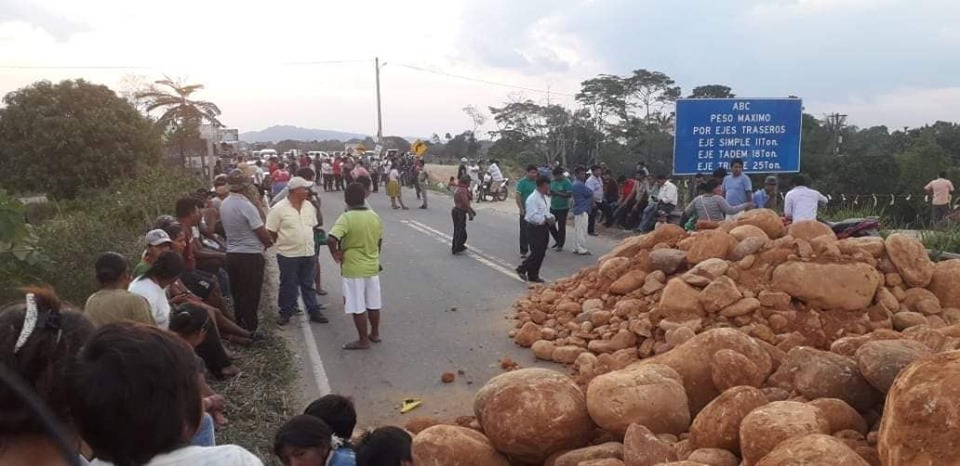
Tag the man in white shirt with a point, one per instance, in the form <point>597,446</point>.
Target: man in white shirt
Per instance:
<point>666,201</point>
<point>539,219</point>
<point>595,183</point>
<point>291,223</point>
<point>940,190</point>
<point>495,175</point>
<point>801,203</point>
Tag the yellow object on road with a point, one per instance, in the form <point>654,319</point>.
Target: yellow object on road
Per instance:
<point>410,404</point>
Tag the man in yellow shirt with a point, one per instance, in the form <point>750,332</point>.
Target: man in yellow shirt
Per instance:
<point>355,242</point>
<point>291,223</point>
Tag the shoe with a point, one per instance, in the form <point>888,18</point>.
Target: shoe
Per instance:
<point>297,312</point>
<point>582,253</point>
<point>322,292</point>
<point>318,317</point>
<point>523,255</point>
<point>592,234</point>
<point>423,207</point>
<point>321,306</point>
<point>560,249</point>
<point>537,280</point>
<point>522,274</point>
<point>284,319</point>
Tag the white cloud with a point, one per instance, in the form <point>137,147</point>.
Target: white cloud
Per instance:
<point>787,8</point>
<point>902,107</point>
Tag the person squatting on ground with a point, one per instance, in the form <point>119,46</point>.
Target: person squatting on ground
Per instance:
<point>460,212</point>
<point>539,218</point>
<point>355,242</point>
<point>291,223</point>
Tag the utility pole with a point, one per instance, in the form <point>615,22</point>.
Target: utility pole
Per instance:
<point>836,122</point>
<point>376,63</point>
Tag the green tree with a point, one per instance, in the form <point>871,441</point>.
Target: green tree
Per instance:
<point>72,136</point>
<point>181,115</point>
<point>712,91</point>
<point>653,91</point>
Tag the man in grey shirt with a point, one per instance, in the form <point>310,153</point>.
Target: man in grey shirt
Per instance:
<point>247,238</point>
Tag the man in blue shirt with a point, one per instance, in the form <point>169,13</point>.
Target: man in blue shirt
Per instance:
<point>766,198</point>
<point>582,205</point>
<point>737,188</point>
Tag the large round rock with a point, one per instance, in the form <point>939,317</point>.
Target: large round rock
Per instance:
<point>650,395</point>
<point>813,450</point>
<point>850,287</point>
<point>765,427</point>
<point>455,446</point>
<point>531,413</point>
<point>718,425</point>
<point>921,422</point>
<point>693,360</point>
<point>911,259</point>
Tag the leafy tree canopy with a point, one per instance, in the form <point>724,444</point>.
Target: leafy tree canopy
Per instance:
<point>72,136</point>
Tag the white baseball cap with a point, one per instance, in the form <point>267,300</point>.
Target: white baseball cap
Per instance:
<point>157,237</point>
<point>299,182</point>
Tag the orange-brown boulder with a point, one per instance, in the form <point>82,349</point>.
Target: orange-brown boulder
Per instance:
<point>680,301</point>
<point>849,287</point>
<point>810,229</point>
<point>911,259</point>
<point>714,457</point>
<point>769,425</point>
<point>609,450</point>
<point>693,360</point>
<point>718,424</point>
<point>813,450</point>
<point>921,422</point>
<point>651,395</point>
<point>764,219</point>
<point>732,369</point>
<point>455,446</point>
<point>710,244</point>
<point>628,282</point>
<point>881,361</point>
<point>840,415</point>
<point>945,283</point>
<point>642,448</point>
<point>530,414</point>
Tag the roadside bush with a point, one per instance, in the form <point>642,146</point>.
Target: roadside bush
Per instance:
<point>112,220</point>
<point>947,240</point>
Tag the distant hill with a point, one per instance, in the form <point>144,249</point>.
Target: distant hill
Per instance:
<point>282,132</point>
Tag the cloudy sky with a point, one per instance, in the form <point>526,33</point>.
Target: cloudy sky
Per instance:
<point>309,63</point>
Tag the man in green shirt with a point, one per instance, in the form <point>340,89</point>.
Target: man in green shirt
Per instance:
<point>561,190</point>
<point>355,242</point>
<point>525,188</point>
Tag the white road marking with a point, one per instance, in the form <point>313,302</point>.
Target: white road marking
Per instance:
<point>473,252</point>
<point>313,354</point>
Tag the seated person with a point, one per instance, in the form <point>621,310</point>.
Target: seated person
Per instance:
<point>386,446</point>
<point>112,302</point>
<point>303,441</point>
<point>136,400</point>
<point>339,413</point>
<point>192,324</point>
<point>39,354</point>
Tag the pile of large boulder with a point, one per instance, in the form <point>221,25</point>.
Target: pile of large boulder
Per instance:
<point>751,344</point>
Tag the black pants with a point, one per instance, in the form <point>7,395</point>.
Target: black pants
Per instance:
<point>246,277</point>
<point>328,182</point>
<point>337,182</point>
<point>592,220</point>
<point>539,237</point>
<point>212,352</point>
<point>524,236</point>
<point>375,180</point>
<point>459,230</point>
<point>559,231</point>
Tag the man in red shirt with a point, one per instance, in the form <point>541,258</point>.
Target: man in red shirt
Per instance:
<point>627,199</point>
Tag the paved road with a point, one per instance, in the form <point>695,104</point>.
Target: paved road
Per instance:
<point>423,337</point>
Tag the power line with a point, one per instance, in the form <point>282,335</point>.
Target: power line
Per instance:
<point>484,81</point>
<point>327,62</point>
<point>42,67</point>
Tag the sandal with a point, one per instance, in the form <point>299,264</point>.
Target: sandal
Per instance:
<point>353,345</point>
<point>376,339</point>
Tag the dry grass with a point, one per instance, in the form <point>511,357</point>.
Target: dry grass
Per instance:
<point>261,398</point>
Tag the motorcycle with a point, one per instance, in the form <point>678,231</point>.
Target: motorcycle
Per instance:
<point>856,227</point>
<point>486,189</point>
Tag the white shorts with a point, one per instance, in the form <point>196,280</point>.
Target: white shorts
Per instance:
<point>361,294</point>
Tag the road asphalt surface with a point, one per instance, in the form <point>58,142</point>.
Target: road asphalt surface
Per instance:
<point>442,313</point>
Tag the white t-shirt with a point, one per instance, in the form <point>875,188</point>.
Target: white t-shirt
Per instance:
<point>394,175</point>
<point>157,298</point>
<point>802,203</point>
<point>223,455</point>
<point>494,172</point>
<point>326,168</point>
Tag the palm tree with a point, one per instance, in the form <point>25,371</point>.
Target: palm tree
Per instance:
<point>182,116</point>
<point>174,98</point>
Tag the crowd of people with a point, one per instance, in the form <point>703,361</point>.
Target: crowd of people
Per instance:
<point>122,381</point>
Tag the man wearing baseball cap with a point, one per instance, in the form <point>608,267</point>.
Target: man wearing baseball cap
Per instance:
<point>246,241</point>
<point>291,223</point>
<point>157,242</point>
<point>767,197</point>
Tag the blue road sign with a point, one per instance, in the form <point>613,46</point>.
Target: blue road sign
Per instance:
<point>764,133</point>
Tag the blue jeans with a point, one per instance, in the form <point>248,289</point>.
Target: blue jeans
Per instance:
<point>296,275</point>
<point>205,435</point>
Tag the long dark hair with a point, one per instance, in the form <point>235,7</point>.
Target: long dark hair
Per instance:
<point>169,265</point>
<point>111,267</point>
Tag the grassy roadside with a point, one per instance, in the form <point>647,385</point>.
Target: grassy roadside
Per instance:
<point>261,398</point>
